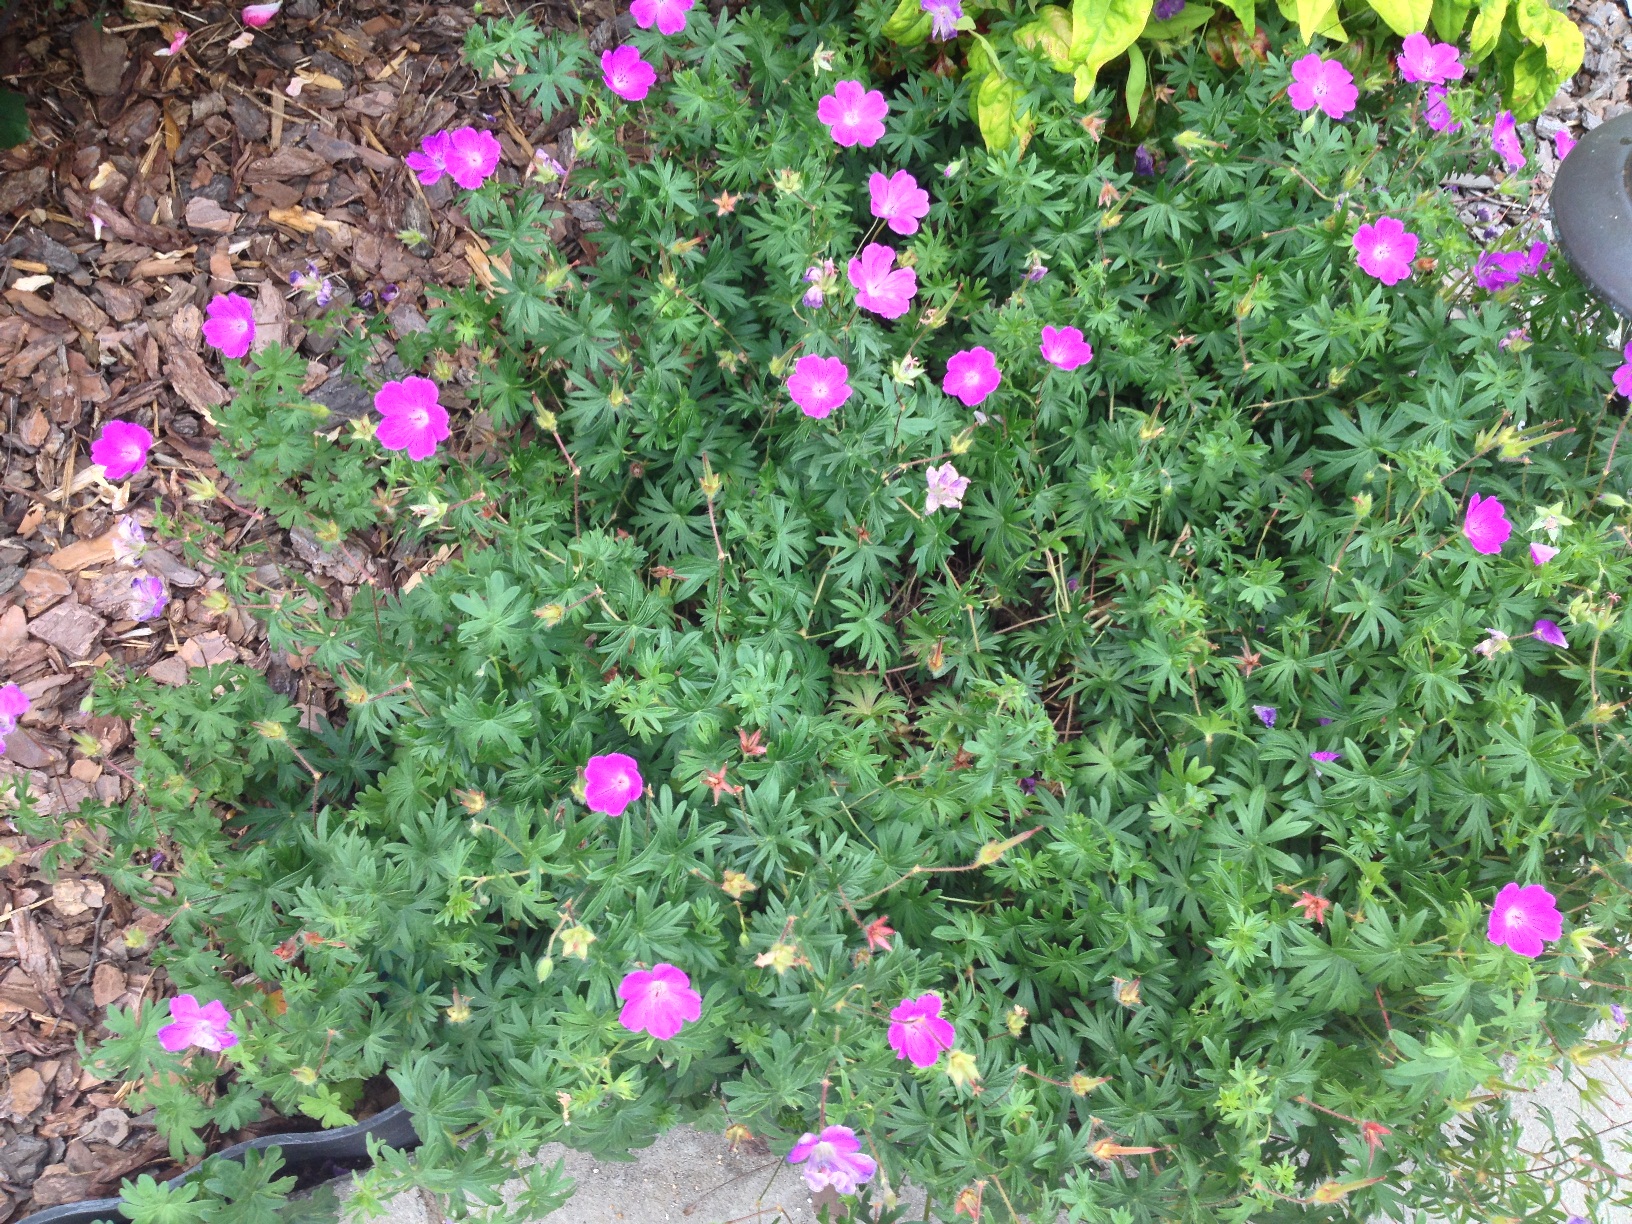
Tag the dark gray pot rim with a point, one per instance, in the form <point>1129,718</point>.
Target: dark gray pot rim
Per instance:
<point>392,1126</point>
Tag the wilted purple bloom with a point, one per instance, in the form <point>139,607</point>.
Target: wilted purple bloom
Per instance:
<point>365,299</point>
<point>1549,632</point>
<point>1036,272</point>
<point>944,16</point>
<point>128,539</point>
<point>1438,112</point>
<point>1495,642</point>
<point>821,278</point>
<point>1266,714</point>
<point>1028,786</point>
<point>1071,584</point>
<point>388,293</point>
<point>1325,722</point>
<point>1618,1014</point>
<point>1143,163</point>
<point>1515,336</point>
<point>1504,138</point>
<point>1167,9</point>
<point>1324,758</point>
<point>147,597</point>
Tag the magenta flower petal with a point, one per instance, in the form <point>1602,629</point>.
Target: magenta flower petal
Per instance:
<point>1323,83</point>
<point>659,1001</point>
<point>612,782</point>
<point>1064,348</point>
<point>14,703</point>
<point>1486,525</point>
<point>229,324</point>
<point>971,375</point>
<point>259,15</point>
<point>880,286</point>
<point>192,1025</point>
<point>1431,63</point>
<point>1524,919</point>
<point>1563,142</point>
<point>1540,554</point>
<point>472,156</point>
<point>411,419</point>
<point>833,1160</point>
<point>1504,138</point>
<point>626,74</point>
<point>854,115</point>
<point>121,449</point>
<point>819,384</point>
<point>1549,632</point>
<point>917,1032</point>
<point>898,201</point>
<point>1385,250</point>
<point>1437,111</point>
<point>669,16</point>
<point>430,161</point>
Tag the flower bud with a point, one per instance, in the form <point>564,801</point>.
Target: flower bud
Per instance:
<point>544,968</point>
<point>304,1075</point>
<point>546,420</point>
<point>711,484</point>
<point>270,729</point>
<point>1016,1020</point>
<point>473,801</point>
<point>962,1069</point>
<point>459,1013</point>
<point>550,614</point>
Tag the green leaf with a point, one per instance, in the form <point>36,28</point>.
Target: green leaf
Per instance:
<point>1101,30</point>
<point>1528,82</point>
<point>1049,33</point>
<point>13,119</point>
<point>1191,17</point>
<point>909,25</point>
<point>1449,16</point>
<point>1137,74</point>
<point>1487,28</point>
<point>1558,34</point>
<point>1403,16</point>
<point>147,1201</point>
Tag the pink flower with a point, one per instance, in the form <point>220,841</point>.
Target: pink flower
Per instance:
<point>878,288</point>
<point>1385,250</point>
<point>819,384</point>
<point>1486,525</point>
<point>1523,919</point>
<point>971,375</point>
<point>946,488</point>
<point>1563,142</point>
<point>1623,372</point>
<point>659,1001</point>
<point>472,155</point>
<point>833,1160</point>
<point>147,597</point>
<point>1438,112</point>
<point>1504,138</point>
<point>1549,632</point>
<point>230,324</point>
<point>1064,348</point>
<point>898,200</point>
<point>1434,63</point>
<point>669,15</point>
<point>1323,83</point>
<point>14,703</point>
<point>878,933</point>
<point>192,1025</point>
<point>626,74</point>
<point>177,42</point>
<point>854,115</point>
<point>259,15</point>
<point>411,419</point>
<point>917,1031</point>
<point>1540,554</point>
<point>430,161</point>
<point>612,782</point>
<point>121,448</point>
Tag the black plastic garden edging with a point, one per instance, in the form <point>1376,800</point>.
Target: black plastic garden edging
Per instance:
<point>392,1126</point>
<point>1592,211</point>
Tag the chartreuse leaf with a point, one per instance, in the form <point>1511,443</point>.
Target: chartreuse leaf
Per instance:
<point>1101,30</point>
<point>1557,33</point>
<point>1246,13</point>
<point>1403,16</point>
<point>1137,73</point>
<point>1528,82</point>
<point>994,110</point>
<point>1487,28</point>
<point>1449,16</point>
<point>1049,33</point>
<point>1314,17</point>
<point>908,25</point>
<point>1190,17</point>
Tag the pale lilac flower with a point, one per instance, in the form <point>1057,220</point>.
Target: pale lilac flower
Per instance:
<point>177,42</point>
<point>1486,525</point>
<point>917,1031</point>
<point>833,1160</point>
<point>853,115</point>
<point>946,488</point>
<point>819,384</point>
<point>1517,337</point>
<point>944,16</point>
<point>1266,714</point>
<point>1064,348</point>
<point>545,167</point>
<point>1563,142</point>
<point>1497,641</point>
<point>668,15</point>
<point>1036,270</point>
<point>230,324</point>
<point>429,162</point>
<point>193,1025</point>
<point>128,539</point>
<point>880,286</point>
<point>1166,10</point>
<point>121,448</point>
<point>147,597</point>
<point>626,74</point>
<point>472,156</point>
<point>659,1001</point>
<point>1540,554</point>
<point>1523,919</point>
<point>259,15</point>
<point>411,418</point>
<point>1432,63</point>
<point>971,375</point>
<point>1437,111</point>
<point>14,703</point>
<point>1623,372</point>
<point>1323,83</point>
<point>1504,138</point>
<point>822,280</point>
<point>1618,1014</point>
<point>898,201</point>
<point>1549,632</point>
<point>612,782</point>
<point>1385,250</point>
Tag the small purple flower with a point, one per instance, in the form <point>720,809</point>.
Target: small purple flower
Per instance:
<point>659,1001</point>
<point>388,293</point>
<point>1504,138</point>
<point>1623,372</point>
<point>626,74</point>
<point>918,1032</point>
<point>411,417</point>
<point>1324,758</point>
<point>1325,722</point>
<point>971,375</point>
<point>612,782</point>
<point>1385,250</point>
<point>1166,10</point>
<point>194,1025</point>
<point>1266,714</point>
<point>668,15</point>
<point>1028,786</point>
<point>1618,1014</point>
<point>1486,525</point>
<point>944,16</point>
<point>1438,112</point>
<point>1036,269</point>
<point>1549,632</point>
<point>1064,348</point>
<point>147,597</point>
<point>429,162</point>
<point>14,703</point>
<point>853,114</point>
<point>230,324</point>
<point>822,279</point>
<point>1144,164</point>
<point>472,156</point>
<point>945,488</point>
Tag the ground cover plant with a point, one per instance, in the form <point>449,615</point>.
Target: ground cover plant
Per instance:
<point>1084,673</point>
